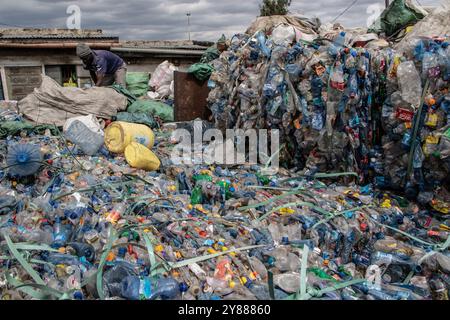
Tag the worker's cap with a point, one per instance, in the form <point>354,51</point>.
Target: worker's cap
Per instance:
<point>83,50</point>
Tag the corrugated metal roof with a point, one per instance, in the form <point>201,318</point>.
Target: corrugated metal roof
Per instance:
<point>165,45</point>
<point>190,48</point>
<point>162,51</point>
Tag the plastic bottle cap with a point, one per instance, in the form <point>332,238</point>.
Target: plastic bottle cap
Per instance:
<point>122,251</point>
<point>183,287</point>
<point>22,158</point>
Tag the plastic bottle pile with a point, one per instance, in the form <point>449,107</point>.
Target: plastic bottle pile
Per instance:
<point>90,227</point>
<point>342,109</point>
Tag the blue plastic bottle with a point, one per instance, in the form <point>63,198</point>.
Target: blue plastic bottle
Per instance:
<point>24,159</point>
<point>337,45</point>
<point>136,288</point>
<point>59,258</point>
<point>262,44</point>
<point>74,214</point>
<point>340,40</point>
<point>61,233</point>
<point>83,250</point>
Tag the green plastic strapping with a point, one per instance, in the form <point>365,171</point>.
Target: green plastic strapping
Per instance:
<point>318,293</point>
<point>151,253</point>
<point>210,256</point>
<point>337,214</point>
<point>28,247</point>
<point>416,130</point>
<point>93,188</point>
<point>45,289</point>
<point>36,294</point>
<point>321,176</point>
<point>294,204</point>
<point>63,139</point>
<point>433,245</point>
<point>99,275</point>
<point>33,274</point>
<point>284,195</point>
<point>303,268</point>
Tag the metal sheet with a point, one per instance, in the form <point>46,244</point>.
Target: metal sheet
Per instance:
<point>190,97</point>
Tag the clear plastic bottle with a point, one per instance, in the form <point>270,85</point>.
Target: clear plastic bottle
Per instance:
<point>438,289</point>
<point>88,141</point>
<point>337,78</point>
<point>430,65</point>
<point>380,258</point>
<point>409,82</point>
<point>258,267</point>
<point>61,233</point>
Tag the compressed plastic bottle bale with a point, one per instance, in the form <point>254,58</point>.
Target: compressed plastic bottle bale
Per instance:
<point>119,135</point>
<point>140,157</point>
<point>24,159</point>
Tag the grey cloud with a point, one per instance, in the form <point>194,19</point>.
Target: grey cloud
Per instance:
<point>156,19</point>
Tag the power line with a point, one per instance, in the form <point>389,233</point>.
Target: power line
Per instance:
<point>346,9</point>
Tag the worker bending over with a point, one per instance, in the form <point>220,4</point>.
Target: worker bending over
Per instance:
<point>105,67</point>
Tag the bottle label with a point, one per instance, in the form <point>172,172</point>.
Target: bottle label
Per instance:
<point>145,289</point>
<point>404,114</point>
<point>142,140</point>
<point>432,120</point>
<point>337,85</point>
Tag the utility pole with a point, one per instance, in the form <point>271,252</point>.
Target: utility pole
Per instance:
<point>189,24</point>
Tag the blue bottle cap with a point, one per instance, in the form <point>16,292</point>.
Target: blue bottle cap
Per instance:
<point>122,252</point>
<point>78,295</point>
<point>183,287</point>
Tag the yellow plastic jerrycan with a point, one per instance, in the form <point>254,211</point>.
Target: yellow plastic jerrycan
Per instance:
<point>140,157</point>
<point>118,135</point>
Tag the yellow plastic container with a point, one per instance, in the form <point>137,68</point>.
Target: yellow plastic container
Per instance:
<point>140,157</point>
<point>120,134</point>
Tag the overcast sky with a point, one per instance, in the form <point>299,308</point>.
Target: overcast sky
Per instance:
<point>167,20</point>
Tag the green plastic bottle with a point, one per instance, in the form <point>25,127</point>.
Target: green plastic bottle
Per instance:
<point>264,180</point>
<point>196,196</point>
<point>202,177</point>
<point>225,188</point>
<point>321,274</point>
